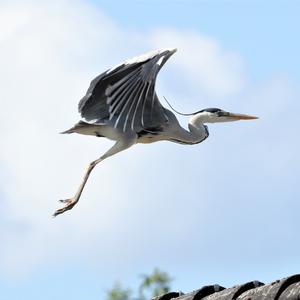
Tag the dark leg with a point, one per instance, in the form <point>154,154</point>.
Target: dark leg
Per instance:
<point>70,203</point>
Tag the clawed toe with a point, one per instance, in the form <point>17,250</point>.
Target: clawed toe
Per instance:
<point>66,200</point>
<point>69,205</point>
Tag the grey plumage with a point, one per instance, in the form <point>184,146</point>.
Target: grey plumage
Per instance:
<point>121,104</point>
<point>125,97</point>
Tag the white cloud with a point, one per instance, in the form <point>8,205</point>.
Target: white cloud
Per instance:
<point>48,55</point>
<point>202,63</point>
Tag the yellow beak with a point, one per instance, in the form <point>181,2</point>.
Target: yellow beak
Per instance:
<point>241,116</point>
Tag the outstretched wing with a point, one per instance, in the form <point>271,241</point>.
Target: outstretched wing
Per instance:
<point>124,96</point>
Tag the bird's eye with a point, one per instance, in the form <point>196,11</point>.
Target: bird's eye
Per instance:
<point>223,113</point>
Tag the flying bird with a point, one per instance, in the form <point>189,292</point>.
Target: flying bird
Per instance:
<point>121,104</point>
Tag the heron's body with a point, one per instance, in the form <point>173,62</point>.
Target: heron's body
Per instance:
<point>121,104</point>
<point>170,131</point>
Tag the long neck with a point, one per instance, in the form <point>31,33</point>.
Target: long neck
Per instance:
<point>197,129</point>
<point>197,133</point>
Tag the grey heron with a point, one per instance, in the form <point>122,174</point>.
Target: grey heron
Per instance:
<point>121,104</point>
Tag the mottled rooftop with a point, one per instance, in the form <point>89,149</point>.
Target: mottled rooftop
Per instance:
<point>283,289</point>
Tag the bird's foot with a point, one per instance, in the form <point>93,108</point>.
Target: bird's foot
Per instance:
<point>66,201</point>
<point>69,204</point>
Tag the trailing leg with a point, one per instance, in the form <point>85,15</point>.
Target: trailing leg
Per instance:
<point>116,148</point>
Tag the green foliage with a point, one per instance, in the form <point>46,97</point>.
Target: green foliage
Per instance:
<point>117,292</point>
<point>155,284</point>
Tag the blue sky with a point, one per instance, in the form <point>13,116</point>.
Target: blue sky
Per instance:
<point>260,31</point>
<point>225,211</point>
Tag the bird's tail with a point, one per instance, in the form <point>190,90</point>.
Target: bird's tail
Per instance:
<point>75,128</point>
<point>71,130</point>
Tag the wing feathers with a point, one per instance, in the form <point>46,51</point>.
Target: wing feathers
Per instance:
<point>140,97</point>
<point>125,95</point>
<point>125,107</point>
<point>143,109</point>
<point>118,100</point>
<point>120,85</point>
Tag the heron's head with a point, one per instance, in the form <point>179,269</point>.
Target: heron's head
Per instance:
<point>216,115</point>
